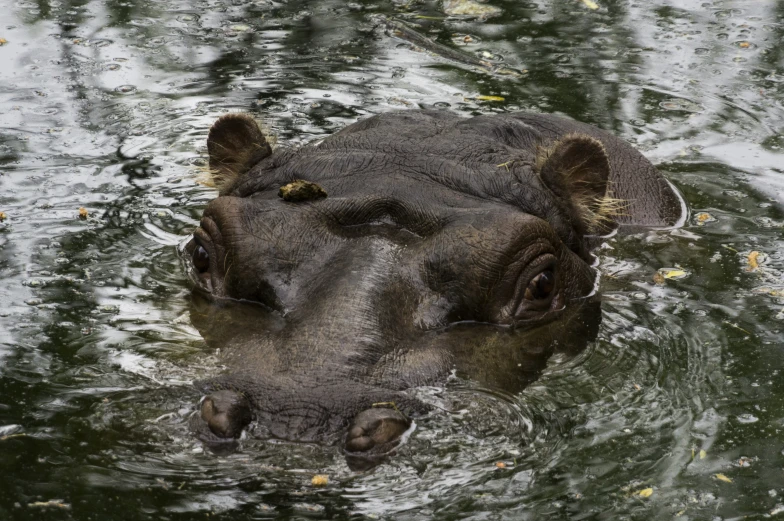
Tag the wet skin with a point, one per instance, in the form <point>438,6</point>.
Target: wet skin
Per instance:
<point>429,244</point>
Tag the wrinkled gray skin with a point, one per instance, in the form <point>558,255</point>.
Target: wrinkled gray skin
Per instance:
<point>443,244</point>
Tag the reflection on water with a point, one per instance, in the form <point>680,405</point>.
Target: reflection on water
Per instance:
<point>106,104</point>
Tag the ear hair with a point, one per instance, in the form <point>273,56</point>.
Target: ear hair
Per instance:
<point>235,144</point>
<point>577,170</point>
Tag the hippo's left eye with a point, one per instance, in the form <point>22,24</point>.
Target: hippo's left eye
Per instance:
<point>541,286</point>
<point>201,259</point>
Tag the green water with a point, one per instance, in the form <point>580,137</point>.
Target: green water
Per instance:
<point>105,105</point>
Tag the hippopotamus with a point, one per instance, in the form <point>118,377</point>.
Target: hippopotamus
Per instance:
<point>338,277</point>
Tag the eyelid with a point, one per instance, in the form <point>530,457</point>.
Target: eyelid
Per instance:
<point>540,264</point>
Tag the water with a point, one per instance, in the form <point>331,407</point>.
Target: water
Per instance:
<point>105,105</point>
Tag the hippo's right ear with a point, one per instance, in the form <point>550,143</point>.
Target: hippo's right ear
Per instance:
<point>235,144</point>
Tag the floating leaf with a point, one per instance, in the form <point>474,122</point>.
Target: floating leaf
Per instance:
<point>3,41</point>
<point>490,98</point>
<point>3,216</point>
<point>703,454</point>
<point>753,260</point>
<point>673,273</point>
<point>703,218</point>
<point>83,213</point>
<point>590,4</point>
<point>645,493</point>
<point>54,503</point>
<point>320,480</point>
<point>722,477</point>
<point>773,292</point>
<point>500,465</point>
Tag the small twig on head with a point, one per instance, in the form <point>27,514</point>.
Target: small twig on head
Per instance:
<point>506,165</point>
<point>386,404</point>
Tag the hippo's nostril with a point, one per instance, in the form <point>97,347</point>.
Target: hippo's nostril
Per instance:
<point>359,444</point>
<point>226,413</point>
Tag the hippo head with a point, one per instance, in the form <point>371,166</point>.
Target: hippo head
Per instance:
<point>400,250</point>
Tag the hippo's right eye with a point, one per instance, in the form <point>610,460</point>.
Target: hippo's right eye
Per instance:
<point>540,286</point>
<point>201,259</point>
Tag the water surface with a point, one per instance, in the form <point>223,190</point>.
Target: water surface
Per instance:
<point>106,104</point>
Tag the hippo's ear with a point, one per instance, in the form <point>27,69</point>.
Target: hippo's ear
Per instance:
<point>235,144</point>
<point>576,169</point>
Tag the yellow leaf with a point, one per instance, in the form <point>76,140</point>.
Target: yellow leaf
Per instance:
<point>3,216</point>
<point>83,213</point>
<point>703,454</point>
<point>3,41</point>
<point>319,480</point>
<point>645,493</point>
<point>490,98</point>
<point>722,477</point>
<point>590,4</point>
<point>673,273</point>
<point>500,465</point>
<point>753,260</point>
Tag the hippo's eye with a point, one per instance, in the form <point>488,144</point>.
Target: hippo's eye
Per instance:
<point>540,286</point>
<point>201,259</point>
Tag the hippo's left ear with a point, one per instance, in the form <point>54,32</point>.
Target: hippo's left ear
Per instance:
<point>576,169</point>
<point>235,145</point>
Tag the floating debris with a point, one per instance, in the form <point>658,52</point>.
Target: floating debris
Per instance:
<point>704,217</point>
<point>52,503</point>
<point>500,465</point>
<point>753,260</point>
<point>590,4</point>
<point>681,104</point>
<point>3,41</point>
<point>83,213</point>
<point>470,8</point>
<point>736,326</point>
<point>320,480</point>
<point>703,454</point>
<point>773,292</point>
<point>423,43</point>
<point>11,436</point>
<point>645,493</point>
<point>672,273</point>
<point>490,98</point>
<point>722,477</point>
<point>3,216</point>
